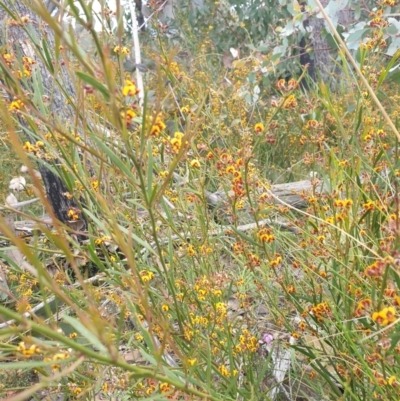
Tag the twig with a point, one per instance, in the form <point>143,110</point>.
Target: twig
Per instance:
<point>19,204</point>
<point>151,15</point>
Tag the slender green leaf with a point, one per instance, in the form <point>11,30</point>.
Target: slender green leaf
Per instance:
<point>95,83</point>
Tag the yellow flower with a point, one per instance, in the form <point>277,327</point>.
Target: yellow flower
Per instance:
<point>129,88</point>
<point>312,124</point>
<point>176,144</point>
<point>28,352</point>
<point>277,261</point>
<point>73,214</point>
<point>188,334</point>
<point>230,169</point>
<point>146,275</point>
<point>28,61</point>
<point>259,127</point>
<point>60,356</point>
<point>157,127</point>
<point>128,115</point>
<point>16,105</point>
<point>29,147</point>
<point>291,289</point>
<point>165,387</point>
<point>102,240</point>
<point>191,250</point>
<point>343,203</point>
<point>290,102</point>
<point>76,390</point>
<point>370,205</point>
<point>225,372</point>
<point>265,236</point>
<point>343,163</point>
<point>221,309</point>
<point>195,163</point>
<point>25,19</point>
<point>8,59</point>
<point>385,316</point>
<point>95,185</point>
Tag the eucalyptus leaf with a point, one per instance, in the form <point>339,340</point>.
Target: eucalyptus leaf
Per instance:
<point>394,47</point>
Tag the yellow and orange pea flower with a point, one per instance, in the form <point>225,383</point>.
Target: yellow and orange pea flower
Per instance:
<point>385,316</point>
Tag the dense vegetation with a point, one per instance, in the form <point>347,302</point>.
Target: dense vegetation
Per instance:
<point>235,234</point>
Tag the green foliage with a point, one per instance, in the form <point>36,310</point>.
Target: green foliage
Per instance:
<point>282,28</point>
<point>198,277</point>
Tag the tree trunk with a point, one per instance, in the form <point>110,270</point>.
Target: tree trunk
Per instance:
<point>167,12</point>
<point>321,59</point>
<point>15,40</point>
<point>139,15</point>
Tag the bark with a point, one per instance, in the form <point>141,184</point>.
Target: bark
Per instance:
<point>16,40</point>
<point>167,12</point>
<point>321,59</point>
<point>320,64</point>
<point>139,13</point>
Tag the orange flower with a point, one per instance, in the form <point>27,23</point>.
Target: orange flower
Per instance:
<point>292,84</point>
<point>377,268</point>
<point>281,84</point>
<point>362,306</point>
<point>291,289</point>
<point>312,124</point>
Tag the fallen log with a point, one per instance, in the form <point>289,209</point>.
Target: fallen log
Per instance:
<point>293,193</point>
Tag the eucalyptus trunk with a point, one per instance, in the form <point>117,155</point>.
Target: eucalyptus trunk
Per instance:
<point>321,58</point>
